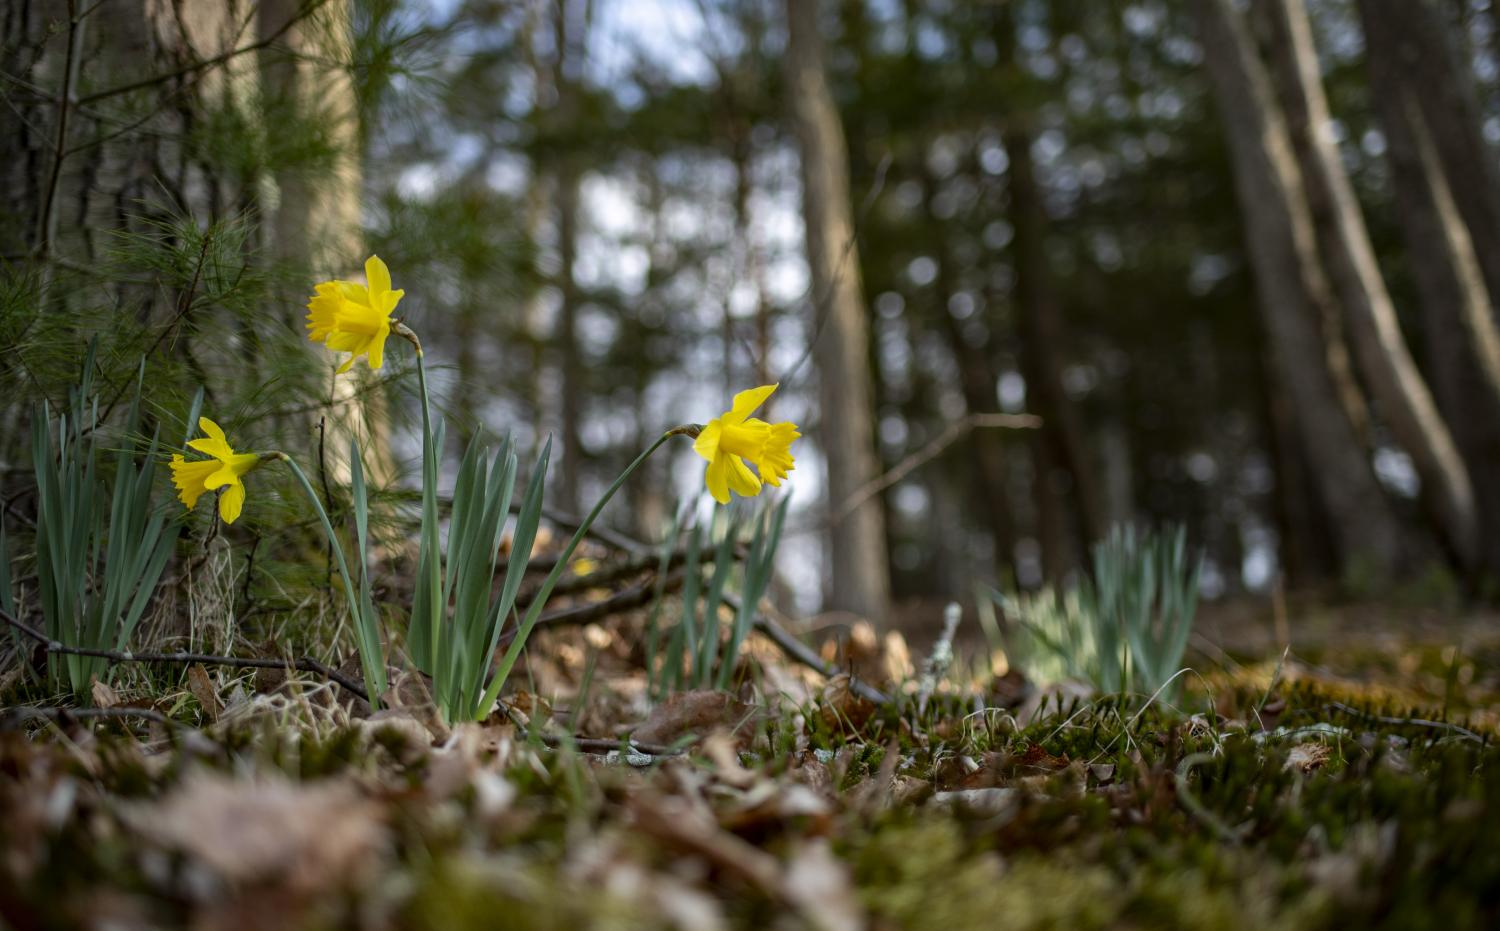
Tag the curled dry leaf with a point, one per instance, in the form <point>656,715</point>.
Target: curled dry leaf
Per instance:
<point>697,713</point>
<point>103,694</point>
<point>842,708</point>
<point>400,730</point>
<point>720,749</point>
<point>304,836</point>
<point>202,688</point>
<point>1306,757</point>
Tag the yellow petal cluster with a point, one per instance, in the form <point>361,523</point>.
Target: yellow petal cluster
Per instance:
<point>355,318</point>
<point>734,437</point>
<point>223,469</point>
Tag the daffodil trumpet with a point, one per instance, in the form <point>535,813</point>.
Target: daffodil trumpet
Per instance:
<point>223,471</point>
<point>734,441</point>
<point>347,316</point>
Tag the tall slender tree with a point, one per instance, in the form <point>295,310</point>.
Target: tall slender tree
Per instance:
<point>860,570</point>
<point>1292,291</point>
<point>1458,319</point>
<point>1344,245</point>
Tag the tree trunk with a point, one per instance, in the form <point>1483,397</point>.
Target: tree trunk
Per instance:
<point>567,341</point>
<point>989,472</point>
<point>316,228</point>
<point>1380,349</point>
<point>1416,38</point>
<point>571,31</point>
<point>1283,254</point>
<point>1463,344</point>
<point>1042,339</point>
<point>860,571</point>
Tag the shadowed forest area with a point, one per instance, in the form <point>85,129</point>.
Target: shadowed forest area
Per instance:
<point>828,464</point>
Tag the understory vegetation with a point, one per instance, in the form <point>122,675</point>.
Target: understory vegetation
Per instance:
<point>843,465</point>
<point>1304,799</point>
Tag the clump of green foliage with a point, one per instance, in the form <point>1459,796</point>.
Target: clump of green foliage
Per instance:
<point>101,545</point>
<point>693,653</point>
<point>1125,629</point>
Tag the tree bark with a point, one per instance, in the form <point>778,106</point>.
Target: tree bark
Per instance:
<point>989,472</point>
<point>1463,342</point>
<point>860,570</point>
<point>1043,339</point>
<point>1283,254</point>
<point>1380,349</point>
<point>316,227</point>
<point>1417,37</point>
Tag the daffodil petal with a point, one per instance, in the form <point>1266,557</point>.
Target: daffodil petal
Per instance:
<point>211,446</point>
<point>224,475</point>
<point>707,443</point>
<point>389,301</point>
<point>717,478</point>
<point>189,477</point>
<point>376,356</point>
<point>741,480</point>
<point>377,275</point>
<point>747,401</point>
<point>231,502</point>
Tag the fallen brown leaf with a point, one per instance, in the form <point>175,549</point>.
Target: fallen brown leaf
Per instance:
<point>697,712</point>
<point>304,836</point>
<point>103,694</point>
<point>202,688</point>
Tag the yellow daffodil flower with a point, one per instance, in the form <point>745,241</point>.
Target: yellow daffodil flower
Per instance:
<point>355,318</point>
<point>224,470</point>
<point>734,436</point>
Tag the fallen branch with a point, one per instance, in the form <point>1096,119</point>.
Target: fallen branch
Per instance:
<point>21,713</point>
<point>800,652</point>
<point>1463,732</point>
<point>304,664</point>
<point>632,597</point>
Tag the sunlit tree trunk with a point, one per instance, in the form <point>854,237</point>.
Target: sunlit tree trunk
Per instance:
<point>1283,253</point>
<point>315,229</point>
<point>1463,343</point>
<point>1416,39</point>
<point>1380,349</point>
<point>860,570</point>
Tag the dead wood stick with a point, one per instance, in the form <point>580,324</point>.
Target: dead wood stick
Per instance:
<point>305,664</point>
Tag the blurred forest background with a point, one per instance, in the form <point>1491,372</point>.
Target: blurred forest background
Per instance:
<point>1242,259</point>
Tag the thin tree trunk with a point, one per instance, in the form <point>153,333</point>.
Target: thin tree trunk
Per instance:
<point>1380,349</point>
<point>1463,343</point>
<point>988,473</point>
<point>571,32</point>
<point>1043,338</point>
<point>316,227</point>
<point>860,571</point>
<point>1283,253</point>
<point>1067,467</point>
<point>567,341</point>
<point>1421,45</point>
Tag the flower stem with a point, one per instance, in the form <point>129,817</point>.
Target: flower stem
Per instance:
<point>370,658</point>
<point>539,601</point>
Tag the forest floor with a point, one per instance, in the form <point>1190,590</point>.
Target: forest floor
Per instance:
<point>1350,782</point>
